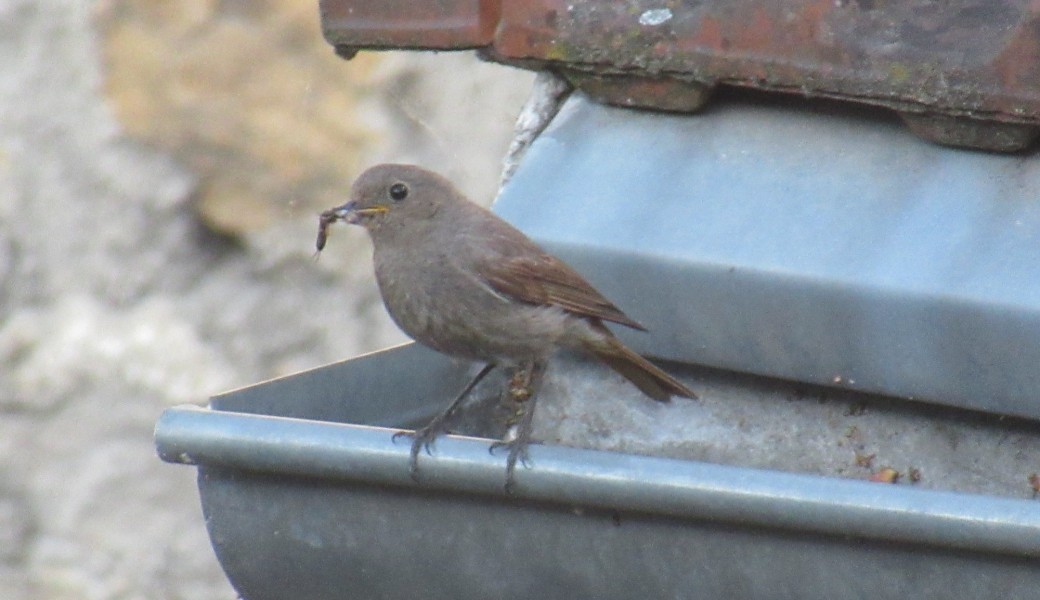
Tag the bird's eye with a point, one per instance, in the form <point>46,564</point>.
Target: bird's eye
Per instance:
<point>398,191</point>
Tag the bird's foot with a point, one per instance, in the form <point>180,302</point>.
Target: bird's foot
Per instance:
<point>422,440</point>
<point>517,453</point>
<point>528,379</point>
<point>424,437</point>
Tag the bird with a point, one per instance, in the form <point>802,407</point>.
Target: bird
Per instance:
<point>459,279</point>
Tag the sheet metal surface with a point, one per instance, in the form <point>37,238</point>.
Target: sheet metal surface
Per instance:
<point>319,509</point>
<point>815,244</point>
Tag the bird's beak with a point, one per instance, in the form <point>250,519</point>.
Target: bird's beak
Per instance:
<point>350,212</point>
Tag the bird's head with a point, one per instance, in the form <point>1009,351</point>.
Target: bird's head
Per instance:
<point>395,196</point>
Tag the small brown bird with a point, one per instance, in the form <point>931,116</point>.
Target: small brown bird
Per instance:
<point>459,279</point>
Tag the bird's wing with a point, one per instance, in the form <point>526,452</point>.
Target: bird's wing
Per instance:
<point>546,280</point>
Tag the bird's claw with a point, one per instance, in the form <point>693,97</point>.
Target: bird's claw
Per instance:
<point>407,433</point>
<point>422,439</point>
<point>517,453</point>
<point>425,436</point>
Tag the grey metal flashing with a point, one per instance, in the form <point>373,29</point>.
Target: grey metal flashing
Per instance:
<point>825,245</point>
<point>303,503</point>
<point>612,481</point>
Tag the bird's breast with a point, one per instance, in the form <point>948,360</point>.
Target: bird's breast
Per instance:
<point>451,310</point>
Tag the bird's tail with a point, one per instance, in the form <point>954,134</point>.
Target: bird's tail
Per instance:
<point>643,374</point>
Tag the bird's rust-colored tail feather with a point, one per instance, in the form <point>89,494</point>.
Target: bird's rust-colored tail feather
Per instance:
<point>643,374</point>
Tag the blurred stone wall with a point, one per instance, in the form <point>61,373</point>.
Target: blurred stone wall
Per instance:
<point>161,168</point>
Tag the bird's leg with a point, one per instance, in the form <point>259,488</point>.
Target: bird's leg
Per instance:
<point>523,388</point>
<point>423,438</point>
<point>519,389</point>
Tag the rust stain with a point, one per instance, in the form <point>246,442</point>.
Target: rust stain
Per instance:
<point>758,36</point>
<point>710,35</point>
<point>1017,65</point>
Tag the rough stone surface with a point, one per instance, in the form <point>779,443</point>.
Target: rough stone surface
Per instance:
<point>161,167</point>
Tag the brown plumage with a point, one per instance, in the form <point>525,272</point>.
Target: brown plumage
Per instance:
<point>459,279</point>
<point>545,280</point>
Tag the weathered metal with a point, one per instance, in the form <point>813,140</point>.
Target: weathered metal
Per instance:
<point>305,499</point>
<point>972,59</point>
